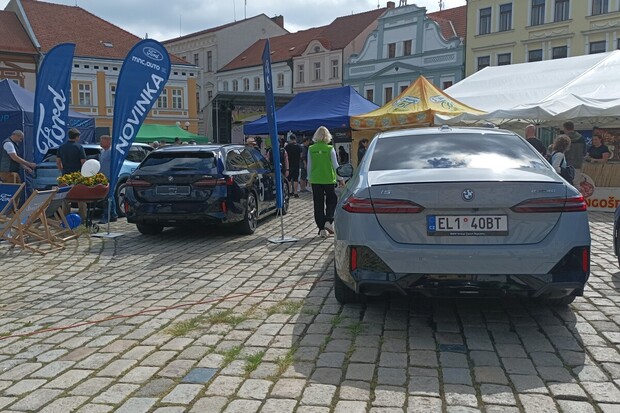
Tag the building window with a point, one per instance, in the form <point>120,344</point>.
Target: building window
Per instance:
<point>600,7</point>
<point>335,69</point>
<point>196,59</point>
<point>407,48</point>
<point>485,21</point>
<point>370,94</point>
<point>503,59</point>
<point>209,61</point>
<point>257,83</point>
<point>538,12</point>
<point>505,17</point>
<point>391,50</point>
<point>246,84</point>
<point>209,96</point>
<point>280,80</point>
<point>225,86</point>
<point>388,94</point>
<point>484,61</point>
<point>534,55</point>
<point>317,71</point>
<point>198,100</point>
<point>177,98</point>
<point>300,74</point>
<point>84,94</point>
<point>446,84</point>
<point>235,85</point>
<point>112,95</point>
<point>561,10</point>
<point>560,52</point>
<point>598,47</point>
<point>162,100</point>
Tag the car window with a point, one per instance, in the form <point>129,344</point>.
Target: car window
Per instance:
<point>250,160</point>
<point>163,162</point>
<point>136,154</point>
<point>234,161</point>
<point>260,159</point>
<point>455,150</point>
<point>91,153</point>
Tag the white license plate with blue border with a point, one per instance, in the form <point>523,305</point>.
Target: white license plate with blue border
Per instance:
<point>467,225</point>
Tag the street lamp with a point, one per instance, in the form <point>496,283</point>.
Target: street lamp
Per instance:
<point>187,125</point>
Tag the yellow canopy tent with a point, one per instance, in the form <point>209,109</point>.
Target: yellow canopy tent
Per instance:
<point>416,106</point>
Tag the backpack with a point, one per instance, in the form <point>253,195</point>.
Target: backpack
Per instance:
<point>567,172</point>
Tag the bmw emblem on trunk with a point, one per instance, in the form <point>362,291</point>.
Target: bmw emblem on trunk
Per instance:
<point>170,179</point>
<point>467,195</point>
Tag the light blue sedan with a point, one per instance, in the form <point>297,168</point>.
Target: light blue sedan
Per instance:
<point>459,212</point>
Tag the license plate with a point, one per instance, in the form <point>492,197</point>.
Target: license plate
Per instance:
<point>172,190</point>
<point>467,225</point>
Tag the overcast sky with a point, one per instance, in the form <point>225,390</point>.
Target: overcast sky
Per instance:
<point>165,19</point>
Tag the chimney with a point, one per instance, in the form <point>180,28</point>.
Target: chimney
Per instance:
<point>279,20</point>
<point>391,4</point>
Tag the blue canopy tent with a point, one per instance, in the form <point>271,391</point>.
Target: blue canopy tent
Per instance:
<point>17,112</point>
<point>307,111</point>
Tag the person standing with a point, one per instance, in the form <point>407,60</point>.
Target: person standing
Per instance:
<point>598,152</point>
<point>577,150</point>
<point>10,161</point>
<point>530,137</point>
<point>105,159</point>
<point>293,151</point>
<point>361,150</point>
<point>322,165</point>
<point>70,157</point>
<point>343,156</point>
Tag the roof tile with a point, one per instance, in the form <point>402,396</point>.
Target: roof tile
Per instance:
<point>13,37</point>
<point>451,21</point>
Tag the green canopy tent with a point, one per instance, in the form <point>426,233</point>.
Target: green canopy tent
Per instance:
<point>150,132</point>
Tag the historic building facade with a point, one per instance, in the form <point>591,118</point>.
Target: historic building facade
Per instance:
<point>502,32</point>
<point>408,43</point>
<point>18,56</point>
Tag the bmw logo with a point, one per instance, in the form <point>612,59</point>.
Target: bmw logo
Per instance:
<point>170,179</point>
<point>467,195</point>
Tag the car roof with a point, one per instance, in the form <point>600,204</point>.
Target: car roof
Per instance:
<point>444,129</point>
<point>197,148</point>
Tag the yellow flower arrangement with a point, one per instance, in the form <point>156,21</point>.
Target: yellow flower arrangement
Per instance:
<point>76,178</point>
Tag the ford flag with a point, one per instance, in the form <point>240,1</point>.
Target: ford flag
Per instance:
<point>51,108</point>
<point>271,122</point>
<point>142,78</point>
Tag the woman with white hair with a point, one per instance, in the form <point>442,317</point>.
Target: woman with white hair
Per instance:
<point>322,164</point>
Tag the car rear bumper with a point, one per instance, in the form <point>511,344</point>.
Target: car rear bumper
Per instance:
<point>168,220</point>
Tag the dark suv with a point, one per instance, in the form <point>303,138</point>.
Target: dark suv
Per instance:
<point>209,184</point>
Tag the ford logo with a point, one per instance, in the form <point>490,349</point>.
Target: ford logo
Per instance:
<point>467,195</point>
<point>153,54</point>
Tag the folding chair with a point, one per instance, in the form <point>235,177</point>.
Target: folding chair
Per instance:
<point>56,219</point>
<point>21,228</point>
<point>9,200</point>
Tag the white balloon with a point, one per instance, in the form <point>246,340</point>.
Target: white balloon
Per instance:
<point>90,167</point>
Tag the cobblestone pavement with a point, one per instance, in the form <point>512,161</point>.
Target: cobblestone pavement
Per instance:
<point>200,320</point>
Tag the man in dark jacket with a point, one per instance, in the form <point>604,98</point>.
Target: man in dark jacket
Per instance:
<point>10,161</point>
<point>577,151</point>
<point>530,136</point>
<point>70,157</point>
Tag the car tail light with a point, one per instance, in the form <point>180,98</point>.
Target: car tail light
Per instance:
<point>353,258</point>
<point>224,207</point>
<point>585,260</point>
<point>381,206</point>
<point>137,183</point>
<point>572,204</point>
<point>210,182</point>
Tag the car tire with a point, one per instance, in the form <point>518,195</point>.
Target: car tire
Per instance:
<point>344,294</point>
<point>119,199</point>
<point>560,302</point>
<point>250,218</point>
<point>149,229</point>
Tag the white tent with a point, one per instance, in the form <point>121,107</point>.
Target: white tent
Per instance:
<point>584,89</point>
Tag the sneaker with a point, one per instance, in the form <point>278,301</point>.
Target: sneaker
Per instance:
<point>329,227</point>
<point>322,233</point>
<point>295,195</point>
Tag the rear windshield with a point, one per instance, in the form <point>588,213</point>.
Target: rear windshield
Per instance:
<point>454,151</point>
<point>91,153</point>
<point>195,162</point>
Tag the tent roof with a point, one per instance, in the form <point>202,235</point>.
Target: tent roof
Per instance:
<point>415,106</point>
<point>150,132</point>
<point>584,89</point>
<point>307,111</point>
<point>14,98</point>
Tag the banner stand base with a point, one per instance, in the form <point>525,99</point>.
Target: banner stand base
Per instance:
<point>282,240</point>
<point>107,235</point>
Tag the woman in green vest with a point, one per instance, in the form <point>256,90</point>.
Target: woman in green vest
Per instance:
<point>322,164</point>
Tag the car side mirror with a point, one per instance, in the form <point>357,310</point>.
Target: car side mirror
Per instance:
<point>345,171</point>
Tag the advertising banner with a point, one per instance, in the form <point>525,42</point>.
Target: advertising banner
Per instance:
<point>271,121</point>
<point>142,78</point>
<point>51,108</point>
